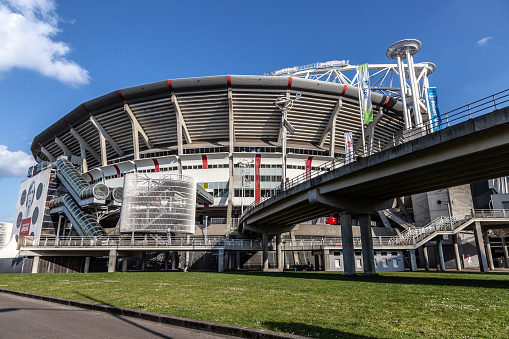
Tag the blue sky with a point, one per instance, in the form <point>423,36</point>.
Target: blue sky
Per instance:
<point>54,55</point>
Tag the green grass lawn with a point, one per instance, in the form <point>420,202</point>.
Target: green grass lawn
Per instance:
<point>315,304</point>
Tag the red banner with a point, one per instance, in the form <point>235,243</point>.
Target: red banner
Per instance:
<point>257,176</point>
<point>25,227</point>
<point>308,168</point>
<point>204,161</point>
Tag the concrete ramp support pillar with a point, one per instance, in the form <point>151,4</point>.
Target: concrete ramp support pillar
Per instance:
<point>125,261</point>
<point>479,244</point>
<point>279,252</point>
<point>489,255</point>
<point>368,256</point>
<point>86,269</point>
<point>112,261</point>
<point>413,261</point>
<point>265,255</point>
<point>166,259</point>
<point>426,257</point>
<point>35,264</point>
<point>455,241</point>
<point>441,255</point>
<point>347,241</point>
<point>220,261</point>
<point>506,253</point>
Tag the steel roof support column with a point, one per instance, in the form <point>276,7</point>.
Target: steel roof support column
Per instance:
<point>103,136</point>
<point>63,147</point>
<point>231,147</point>
<point>331,127</point>
<point>402,83</point>
<point>415,90</point>
<point>137,129</point>
<point>84,146</point>
<point>48,155</point>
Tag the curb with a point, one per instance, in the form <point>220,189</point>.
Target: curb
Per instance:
<point>231,330</point>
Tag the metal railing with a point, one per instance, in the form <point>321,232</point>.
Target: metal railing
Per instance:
<point>447,119</point>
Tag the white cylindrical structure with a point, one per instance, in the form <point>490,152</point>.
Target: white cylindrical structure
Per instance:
<point>402,83</point>
<point>160,203</point>
<point>415,89</point>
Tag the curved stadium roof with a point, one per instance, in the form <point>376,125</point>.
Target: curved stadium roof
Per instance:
<point>205,105</point>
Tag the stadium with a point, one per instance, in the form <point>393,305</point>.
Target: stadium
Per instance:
<point>157,176</point>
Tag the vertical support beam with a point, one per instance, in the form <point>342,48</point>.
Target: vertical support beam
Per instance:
<point>265,254</point>
<point>86,269</point>
<point>506,253</point>
<point>455,241</point>
<point>347,241</point>
<point>125,261</point>
<point>104,155</point>
<point>136,143</point>
<point>413,261</point>
<point>426,257</point>
<point>220,261</point>
<point>479,244</point>
<point>367,244</point>
<point>441,255</point>
<point>112,261</point>
<point>83,155</point>
<point>231,147</point>
<point>187,263</point>
<point>279,252</point>
<point>143,261</point>
<point>166,259</point>
<point>35,264</point>
<point>402,83</point>
<point>238,260</point>
<point>415,90</point>
<point>489,255</point>
<point>326,260</point>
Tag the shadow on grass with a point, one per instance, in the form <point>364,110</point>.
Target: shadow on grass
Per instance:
<point>307,330</point>
<point>479,279</point>
<point>124,319</point>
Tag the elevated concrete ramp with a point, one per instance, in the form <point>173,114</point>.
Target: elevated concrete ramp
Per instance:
<point>471,151</point>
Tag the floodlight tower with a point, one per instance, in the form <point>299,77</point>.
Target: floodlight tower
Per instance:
<point>405,49</point>
<point>285,103</point>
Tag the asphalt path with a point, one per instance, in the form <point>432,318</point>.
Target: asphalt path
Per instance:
<point>22,317</point>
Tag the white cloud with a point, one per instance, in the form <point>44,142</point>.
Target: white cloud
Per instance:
<point>14,164</point>
<point>484,41</point>
<point>27,30</point>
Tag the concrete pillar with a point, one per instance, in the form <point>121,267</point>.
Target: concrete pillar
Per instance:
<point>347,242</point>
<point>265,255</point>
<point>455,241</point>
<point>426,258</point>
<point>326,260</point>
<point>479,244</point>
<point>143,262</point>
<point>220,261</point>
<point>125,261</point>
<point>368,255</point>
<point>489,255</point>
<point>238,260</point>
<point>317,262</point>
<point>441,255</point>
<point>413,261</point>
<point>506,253</point>
<point>112,261</point>
<point>187,263</point>
<point>86,269</point>
<point>295,253</point>
<point>279,252</point>
<point>35,264</point>
<point>174,260</point>
<point>166,258</point>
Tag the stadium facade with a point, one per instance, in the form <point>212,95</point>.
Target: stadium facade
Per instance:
<point>157,175</point>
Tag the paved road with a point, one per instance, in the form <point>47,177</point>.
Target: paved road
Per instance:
<point>29,318</point>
